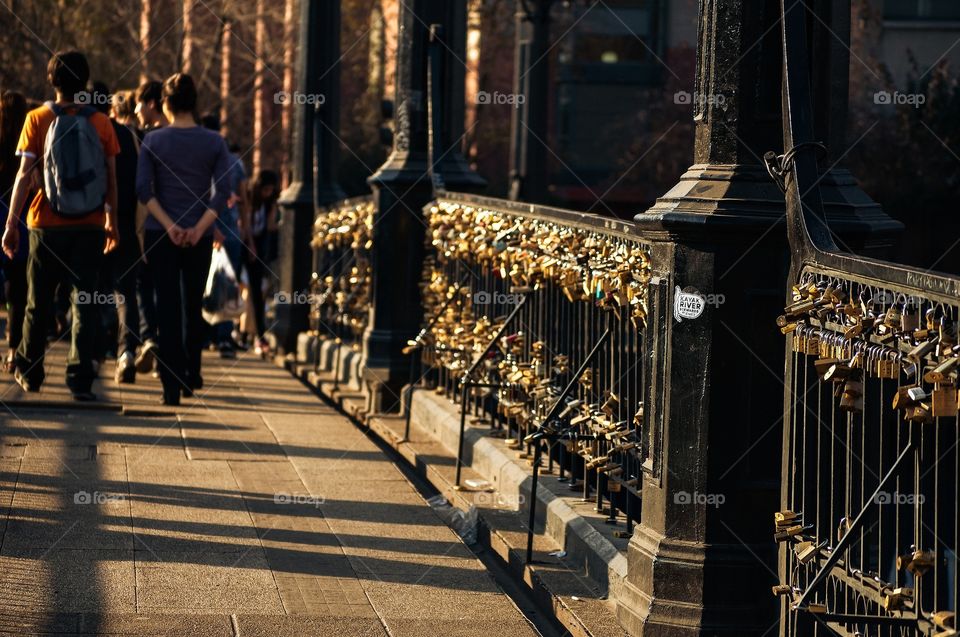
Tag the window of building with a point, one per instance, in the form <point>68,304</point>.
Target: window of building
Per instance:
<point>921,9</point>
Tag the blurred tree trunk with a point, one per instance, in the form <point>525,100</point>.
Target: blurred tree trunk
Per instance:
<point>289,56</point>
<point>226,45</point>
<point>186,46</point>
<point>145,44</point>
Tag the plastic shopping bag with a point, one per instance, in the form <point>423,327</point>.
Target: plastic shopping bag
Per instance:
<point>221,297</point>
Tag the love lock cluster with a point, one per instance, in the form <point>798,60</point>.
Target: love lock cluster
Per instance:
<point>529,252</point>
<point>340,288</point>
<point>879,335</point>
<point>809,551</point>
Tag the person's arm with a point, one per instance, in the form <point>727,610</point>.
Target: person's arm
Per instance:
<point>146,171</point>
<point>221,177</point>
<point>21,187</point>
<point>110,223</point>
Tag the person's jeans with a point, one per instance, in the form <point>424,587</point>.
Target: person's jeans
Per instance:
<point>71,257</point>
<point>16,275</point>
<point>179,276</point>
<point>147,300</point>
<point>124,267</point>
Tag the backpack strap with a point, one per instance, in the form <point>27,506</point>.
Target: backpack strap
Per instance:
<point>57,111</point>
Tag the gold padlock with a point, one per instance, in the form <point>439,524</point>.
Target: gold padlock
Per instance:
<point>896,599</point>
<point>943,401</point>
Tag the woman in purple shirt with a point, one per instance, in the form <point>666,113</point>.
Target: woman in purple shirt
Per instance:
<point>178,165</point>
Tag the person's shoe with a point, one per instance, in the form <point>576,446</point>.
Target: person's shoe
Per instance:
<point>170,401</point>
<point>84,396</point>
<point>263,347</point>
<point>236,345</point>
<point>226,350</point>
<point>24,382</point>
<point>187,392</point>
<point>147,356</point>
<point>126,368</point>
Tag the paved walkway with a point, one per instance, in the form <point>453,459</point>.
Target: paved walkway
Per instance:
<point>253,509</point>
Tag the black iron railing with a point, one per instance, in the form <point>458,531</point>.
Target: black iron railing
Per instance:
<point>869,525</point>
<point>516,297</point>
<point>340,294</point>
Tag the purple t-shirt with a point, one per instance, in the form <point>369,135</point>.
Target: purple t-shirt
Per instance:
<point>180,166</point>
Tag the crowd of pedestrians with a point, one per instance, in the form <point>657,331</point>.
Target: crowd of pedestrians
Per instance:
<point>113,204</point>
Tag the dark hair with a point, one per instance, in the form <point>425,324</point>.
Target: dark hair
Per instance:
<point>68,72</point>
<point>179,93</point>
<point>101,96</point>
<point>264,178</point>
<point>211,121</point>
<point>150,91</point>
<point>13,112</point>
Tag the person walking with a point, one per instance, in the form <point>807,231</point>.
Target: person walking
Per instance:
<point>148,110</point>
<point>13,112</point>
<point>72,220</point>
<point>179,166</point>
<point>227,233</point>
<point>122,266</point>
<point>263,208</point>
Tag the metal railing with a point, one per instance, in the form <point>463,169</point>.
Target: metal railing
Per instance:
<point>340,288</point>
<point>871,464</point>
<point>531,309</point>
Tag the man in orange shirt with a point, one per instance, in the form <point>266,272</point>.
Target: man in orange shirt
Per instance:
<point>63,249</point>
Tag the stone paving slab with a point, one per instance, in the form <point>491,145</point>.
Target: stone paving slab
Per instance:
<point>252,509</point>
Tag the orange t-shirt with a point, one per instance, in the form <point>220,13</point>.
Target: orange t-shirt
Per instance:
<point>32,139</point>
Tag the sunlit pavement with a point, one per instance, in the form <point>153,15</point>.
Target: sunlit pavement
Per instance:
<point>253,509</point>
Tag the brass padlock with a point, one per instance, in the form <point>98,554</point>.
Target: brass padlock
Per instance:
<point>887,368</point>
<point>918,562</point>
<point>943,401</point>
<point>852,398</point>
<point>806,551</point>
<point>782,590</point>
<point>944,619</point>
<point>896,599</point>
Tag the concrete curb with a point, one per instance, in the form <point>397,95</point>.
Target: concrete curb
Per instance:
<point>586,548</point>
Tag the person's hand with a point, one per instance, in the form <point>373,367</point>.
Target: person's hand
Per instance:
<point>218,238</point>
<point>192,236</point>
<point>176,234</point>
<point>112,238</point>
<point>11,240</point>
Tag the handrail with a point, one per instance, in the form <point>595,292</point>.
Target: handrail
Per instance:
<point>807,229</point>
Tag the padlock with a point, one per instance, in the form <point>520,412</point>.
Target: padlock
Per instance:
<point>896,599</point>
<point>944,619</point>
<point>943,401</point>
<point>851,400</point>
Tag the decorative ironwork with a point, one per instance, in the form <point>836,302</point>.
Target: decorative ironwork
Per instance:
<point>340,295</point>
<point>869,525</point>
<point>515,297</point>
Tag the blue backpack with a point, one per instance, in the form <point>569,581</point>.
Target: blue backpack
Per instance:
<point>74,172</point>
